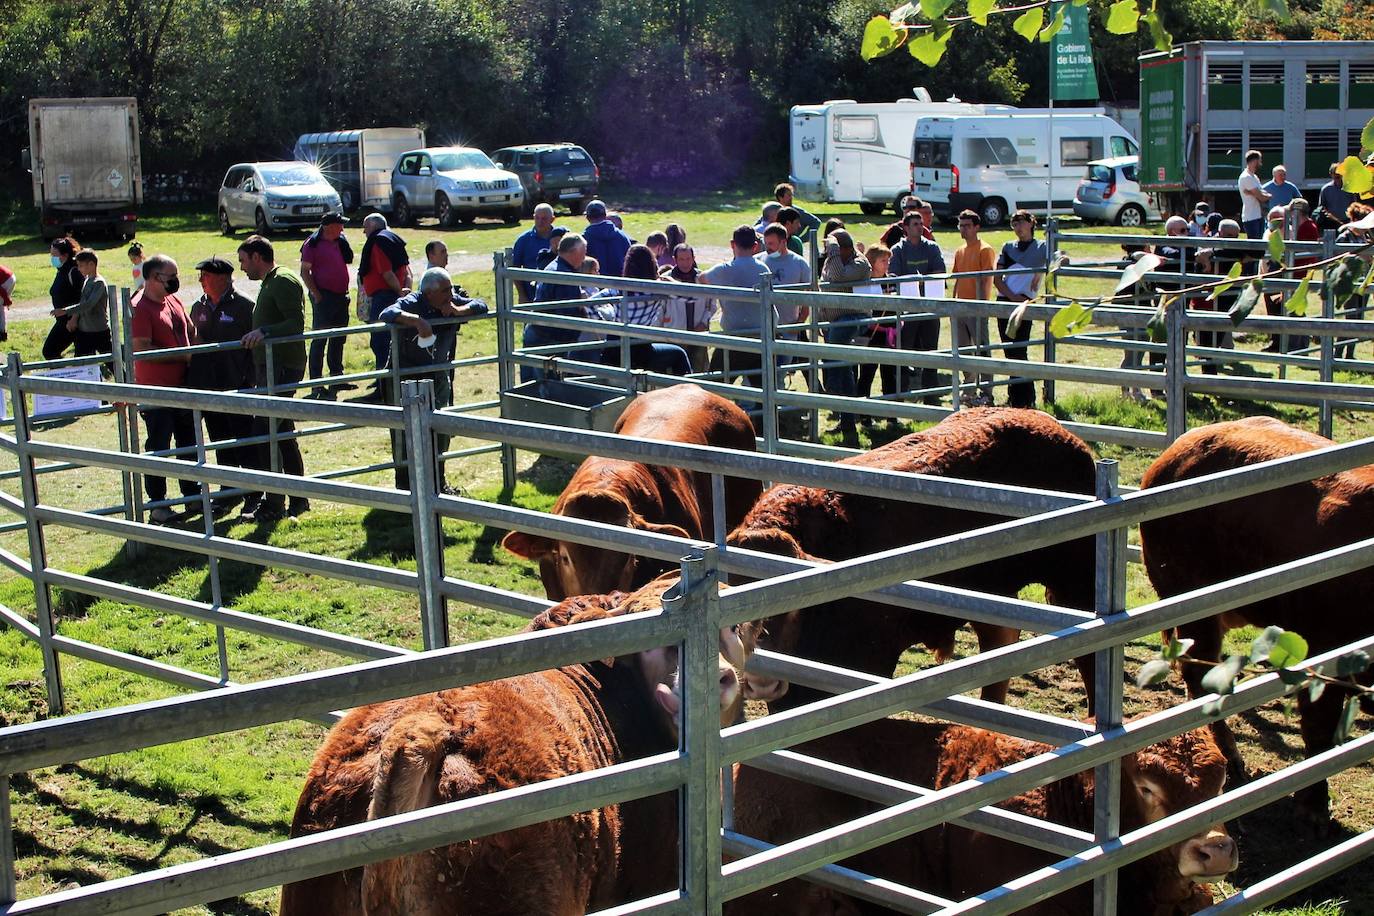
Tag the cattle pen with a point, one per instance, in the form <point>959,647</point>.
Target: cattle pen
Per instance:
<point>691,619</point>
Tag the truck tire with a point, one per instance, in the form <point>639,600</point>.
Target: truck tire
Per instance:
<point>1131,216</point>
<point>870,209</point>
<point>576,207</point>
<point>400,211</point>
<point>443,210</point>
<point>225,227</point>
<point>260,224</point>
<point>993,211</point>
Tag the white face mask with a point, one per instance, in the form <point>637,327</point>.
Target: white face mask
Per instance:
<point>774,255</point>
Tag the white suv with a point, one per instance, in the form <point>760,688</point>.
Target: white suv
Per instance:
<point>454,183</point>
<point>275,195</point>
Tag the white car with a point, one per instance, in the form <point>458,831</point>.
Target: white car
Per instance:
<point>1110,193</point>
<point>456,184</point>
<point>275,195</point>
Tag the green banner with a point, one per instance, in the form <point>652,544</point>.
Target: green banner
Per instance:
<point>1161,122</point>
<point>1072,76</point>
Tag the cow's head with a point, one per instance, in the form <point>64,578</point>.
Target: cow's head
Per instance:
<point>569,569</point>
<point>1166,778</point>
<point>658,668</point>
<point>781,633</point>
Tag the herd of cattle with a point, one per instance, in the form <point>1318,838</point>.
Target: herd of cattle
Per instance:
<point>408,754</point>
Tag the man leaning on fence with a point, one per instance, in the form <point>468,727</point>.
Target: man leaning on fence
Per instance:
<point>426,344</point>
<point>279,312</point>
<point>159,322</point>
<point>223,315</point>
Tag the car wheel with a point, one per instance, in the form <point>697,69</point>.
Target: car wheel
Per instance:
<point>400,211</point>
<point>511,217</point>
<point>577,206</point>
<point>870,209</point>
<point>899,202</point>
<point>443,210</point>
<point>467,219</point>
<point>1130,215</point>
<point>993,211</point>
<point>225,227</point>
<point>260,224</point>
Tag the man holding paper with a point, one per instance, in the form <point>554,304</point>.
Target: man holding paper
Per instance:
<point>1025,261</point>
<point>916,256</point>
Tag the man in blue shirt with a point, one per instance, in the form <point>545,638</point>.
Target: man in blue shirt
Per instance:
<point>738,317</point>
<point>605,242</point>
<point>532,247</point>
<point>916,255</point>
<point>1281,191</point>
<point>1333,201</point>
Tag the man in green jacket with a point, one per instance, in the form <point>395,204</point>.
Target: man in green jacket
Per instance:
<point>279,312</point>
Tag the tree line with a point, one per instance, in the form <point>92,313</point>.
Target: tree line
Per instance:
<point>676,92</point>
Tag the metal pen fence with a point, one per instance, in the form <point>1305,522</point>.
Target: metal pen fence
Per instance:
<point>1119,327</point>
<point>690,618</point>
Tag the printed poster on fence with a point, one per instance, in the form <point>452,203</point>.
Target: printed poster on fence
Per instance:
<point>51,405</point>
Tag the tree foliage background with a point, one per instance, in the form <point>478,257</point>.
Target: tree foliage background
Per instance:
<point>670,91</point>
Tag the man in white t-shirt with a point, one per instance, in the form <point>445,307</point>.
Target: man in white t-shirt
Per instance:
<point>1252,196</point>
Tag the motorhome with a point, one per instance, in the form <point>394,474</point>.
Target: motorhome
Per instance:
<point>845,151</point>
<point>997,164</point>
<point>358,163</point>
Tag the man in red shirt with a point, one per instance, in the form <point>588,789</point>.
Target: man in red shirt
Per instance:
<point>160,322</point>
<point>384,277</point>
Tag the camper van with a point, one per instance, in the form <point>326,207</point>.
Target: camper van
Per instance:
<point>997,164</point>
<point>845,151</point>
<point>358,162</point>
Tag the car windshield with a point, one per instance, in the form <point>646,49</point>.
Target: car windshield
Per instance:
<point>1100,173</point>
<point>564,157</point>
<point>467,159</point>
<point>287,176</point>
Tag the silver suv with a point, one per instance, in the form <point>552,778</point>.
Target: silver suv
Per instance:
<point>456,184</point>
<point>275,195</point>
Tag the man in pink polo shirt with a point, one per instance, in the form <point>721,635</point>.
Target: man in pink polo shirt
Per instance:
<point>325,257</point>
<point>160,322</point>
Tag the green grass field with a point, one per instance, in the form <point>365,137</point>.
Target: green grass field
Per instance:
<point>107,817</point>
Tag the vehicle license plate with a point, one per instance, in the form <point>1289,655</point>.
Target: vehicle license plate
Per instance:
<point>312,209</point>
<point>572,193</point>
<point>495,198</point>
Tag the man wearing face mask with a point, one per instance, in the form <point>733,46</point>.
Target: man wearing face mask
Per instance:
<point>223,315</point>
<point>159,322</point>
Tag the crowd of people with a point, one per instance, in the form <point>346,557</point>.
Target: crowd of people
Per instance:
<point>585,278</point>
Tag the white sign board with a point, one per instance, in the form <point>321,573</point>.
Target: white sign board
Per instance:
<point>49,405</point>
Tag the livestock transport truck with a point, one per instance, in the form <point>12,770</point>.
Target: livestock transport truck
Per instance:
<point>86,165</point>
<point>358,163</point>
<point>1204,104</point>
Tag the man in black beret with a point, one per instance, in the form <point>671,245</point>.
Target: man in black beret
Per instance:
<point>223,315</point>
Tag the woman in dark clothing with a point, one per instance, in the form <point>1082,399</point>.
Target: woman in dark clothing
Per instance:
<point>66,296</point>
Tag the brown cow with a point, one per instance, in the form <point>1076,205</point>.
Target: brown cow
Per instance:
<point>1229,539</point>
<point>648,497</point>
<point>956,862</point>
<point>403,755</point>
<point>994,444</point>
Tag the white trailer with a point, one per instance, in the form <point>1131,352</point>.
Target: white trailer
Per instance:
<point>86,165</point>
<point>358,163</point>
<point>845,151</point>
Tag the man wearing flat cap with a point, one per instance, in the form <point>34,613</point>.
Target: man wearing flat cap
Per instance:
<point>223,315</point>
<point>325,257</point>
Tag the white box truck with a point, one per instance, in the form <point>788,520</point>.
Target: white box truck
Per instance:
<point>358,163</point>
<point>85,161</point>
<point>997,164</point>
<point>845,151</point>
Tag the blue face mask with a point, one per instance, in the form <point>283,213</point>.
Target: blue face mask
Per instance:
<point>774,255</point>
<point>56,261</point>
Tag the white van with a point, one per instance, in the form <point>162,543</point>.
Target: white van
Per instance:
<point>845,151</point>
<point>997,164</point>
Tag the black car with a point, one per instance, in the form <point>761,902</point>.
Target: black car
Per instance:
<point>552,173</point>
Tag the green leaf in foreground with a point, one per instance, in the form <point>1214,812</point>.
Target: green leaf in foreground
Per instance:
<point>1297,303</point>
<point>1289,649</point>
<point>1123,18</point>
<point>1355,178</point>
<point>1143,265</point>
<point>1367,137</point>
<point>1152,672</point>
<point>1162,39</point>
<point>1176,648</point>
<point>1232,276</point>
<point>1054,27</point>
<point>1246,302</point>
<point>1221,680</point>
<point>1275,243</point>
<point>1352,663</point>
<point>935,9</point>
<point>1347,721</point>
<point>1070,319</point>
<point>880,38</point>
<point>928,48</point>
<point>1027,25</point>
<point>1278,7</point>
<point>979,9</point>
<point>1263,644</point>
<point>1157,330</point>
